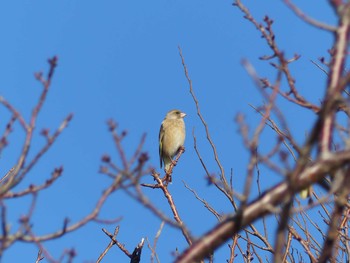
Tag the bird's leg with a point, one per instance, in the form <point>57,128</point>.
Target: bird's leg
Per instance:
<point>167,178</point>
<point>181,148</point>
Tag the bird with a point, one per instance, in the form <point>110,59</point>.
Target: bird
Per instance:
<point>305,193</point>
<point>171,137</point>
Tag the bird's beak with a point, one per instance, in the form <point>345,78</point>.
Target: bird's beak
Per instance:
<point>183,114</point>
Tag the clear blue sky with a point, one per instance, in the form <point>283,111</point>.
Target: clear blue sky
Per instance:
<point>120,60</point>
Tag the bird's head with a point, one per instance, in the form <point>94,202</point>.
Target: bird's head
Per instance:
<point>175,114</point>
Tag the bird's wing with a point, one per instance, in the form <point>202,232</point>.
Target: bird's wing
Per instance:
<point>161,135</point>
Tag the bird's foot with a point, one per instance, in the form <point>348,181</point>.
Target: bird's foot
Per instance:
<point>167,179</point>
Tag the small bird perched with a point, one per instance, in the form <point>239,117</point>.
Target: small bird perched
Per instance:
<point>171,137</point>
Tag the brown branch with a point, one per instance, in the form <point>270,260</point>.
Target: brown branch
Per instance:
<point>228,192</point>
<point>205,203</point>
<point>281,231</point>
<point>34,189</point>
<point>88,218</point>
<point>111,243</point>
<point>29,128</point>
<point>334,90</point>
<point>39,257</point>
<point>269,36</point>
<point>167,177</point>
<point>232,249</point>
<point>15,113</point>
<point>253,143</point>
<point>222,173</point>
<point>156,238</point>
<point>335,221</point>
<point>216,157</point>
<point>138,150</point>
<point>8,175</point>
<point>117,140</point>
<point>49,142</point>
<point>164,187</point>
<point>318,66</point>
<point>8,130</point>
<point>261,206</point>
<point>304,244</point>
<point>308,19</point>
<point>285,135</point>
